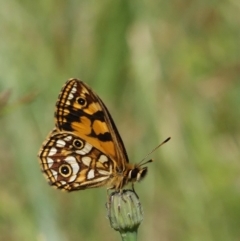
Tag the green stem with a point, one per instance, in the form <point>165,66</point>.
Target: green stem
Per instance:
<point>129,236</point>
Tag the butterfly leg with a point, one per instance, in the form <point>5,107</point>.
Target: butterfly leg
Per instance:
<point>133,189</point>
<point>109,193</point>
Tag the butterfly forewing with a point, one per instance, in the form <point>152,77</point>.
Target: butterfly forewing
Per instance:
<point>81,111</point>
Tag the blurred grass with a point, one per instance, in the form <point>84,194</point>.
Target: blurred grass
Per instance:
<point>163,68</point>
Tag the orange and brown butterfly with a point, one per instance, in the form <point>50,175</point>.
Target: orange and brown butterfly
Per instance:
<point>85,150</point>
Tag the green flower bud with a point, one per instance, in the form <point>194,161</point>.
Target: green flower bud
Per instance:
<point>125,211</point>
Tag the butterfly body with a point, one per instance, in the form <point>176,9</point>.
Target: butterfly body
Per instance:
<point>85,150</point>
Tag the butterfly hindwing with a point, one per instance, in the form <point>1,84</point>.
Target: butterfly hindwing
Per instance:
<point>71,163</point>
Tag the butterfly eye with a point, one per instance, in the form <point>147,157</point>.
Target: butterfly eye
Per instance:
<point>65,170</point>
<point>78,144</point>
<point>81,101</point>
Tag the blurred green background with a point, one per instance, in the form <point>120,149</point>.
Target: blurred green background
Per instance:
<point>163,68</point>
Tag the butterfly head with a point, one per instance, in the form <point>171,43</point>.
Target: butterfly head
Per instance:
<point>137,174</point>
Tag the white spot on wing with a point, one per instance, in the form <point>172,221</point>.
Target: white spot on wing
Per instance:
<point>68,138</point>
<point>90,174</point>
<point>75,168</point>
<point>70,96</point>
<point>103,159</point>
<point>86,149</point>
<point>60,143</point>
<point>50,162</point>
<point>102,172</point>
<point>86,160</point>
<point>73,162</point>
<point>70,159</point>
<point>72,178</point>
<point>54,173</point>
<point>52,151</point>
<point>74,90</point>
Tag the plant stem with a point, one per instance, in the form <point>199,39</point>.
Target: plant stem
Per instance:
<point>129,236</point>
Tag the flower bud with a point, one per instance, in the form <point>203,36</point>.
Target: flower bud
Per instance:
<point>124,211</point>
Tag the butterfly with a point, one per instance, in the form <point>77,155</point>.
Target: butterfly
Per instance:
<point>85,150</point>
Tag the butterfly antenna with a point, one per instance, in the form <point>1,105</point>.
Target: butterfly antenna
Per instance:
<point>143,163</point>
